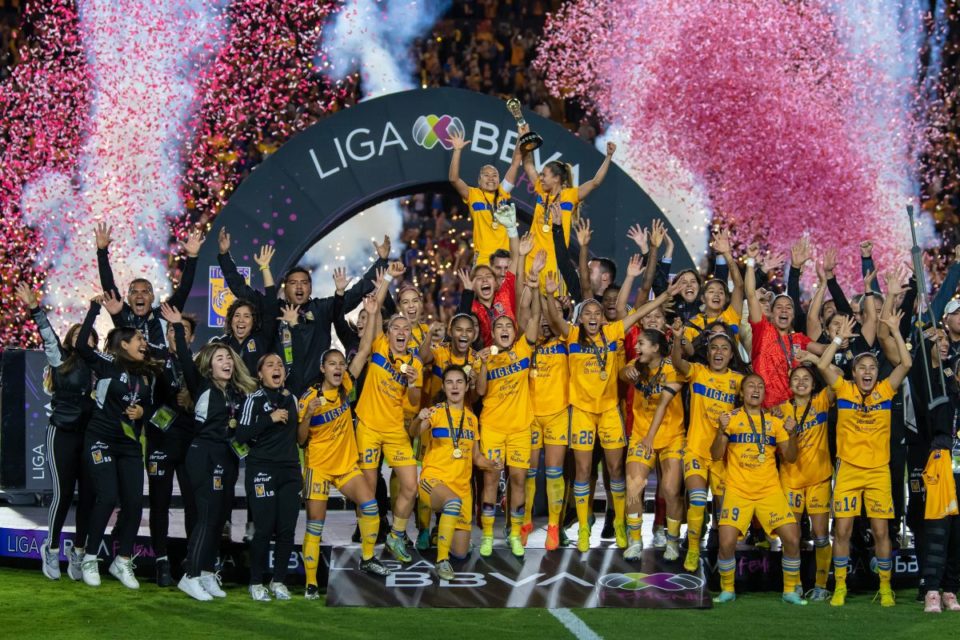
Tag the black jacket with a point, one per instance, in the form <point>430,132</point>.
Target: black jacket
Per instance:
<point>270,443</point>
<point>71,404</point>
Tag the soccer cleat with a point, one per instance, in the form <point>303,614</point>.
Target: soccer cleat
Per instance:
<point>525,532</point>
<point>887,598</point>
<point>90,569</point>
<point>692,562</point>
<point>620,533</point>
<point>193,588</point>
<point>248,532</point>
<point>553,537</point>
<point>607,532</point>
<point>312,592</point>
<point>374,567</point>
<point>279,590</point>
<point>659,538</point>
<point>564,538</point>
<point>794,598</point>
<point>931,603</point>
<point>725,597</point>
<point>122,570</point>
<point>486,546</point>
<point>583,539</point>
<point>445,571</point>
<point>516,546</point>
<point>51,562</point>
<point>634,551</point>
<point>950,601</point>
<point>423,540</point>
<point>672,551</point>
<point>259,593</point>
<point>210,582</point>
<point>75,566</point>
<point>818,594</point>
<point>398,547</point>
<point>164,579</point>
<point>839,596</point>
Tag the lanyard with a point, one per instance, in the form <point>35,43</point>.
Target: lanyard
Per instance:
<point>601,354</point>
<point>803,418</point>
<point>547,216</point>
<point>761,457</point>
<point>455,433</point>
<point>787,355</point>
<point>134,390</point>
<point>646,388</point>
<point>496,199</point>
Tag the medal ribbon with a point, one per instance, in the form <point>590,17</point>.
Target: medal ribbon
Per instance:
<point>455,433</point>
<point>763,431</point>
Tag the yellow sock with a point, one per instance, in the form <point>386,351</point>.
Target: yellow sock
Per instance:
<point>618,492</point>
<point>824,555</point>
<point>399,525</point>
<point>516,521</point>
<point>698,504</point>
<point>530,490</point>
<point>555,488</point>
<point>369,523</point>
<point>424,513</point>
<point>673,528</point>
<point>840,571</point>
<point>791,573</point>
<point>446,527</point>
<point>486,520</point>
<point>581,496</point>
<point>885,570</point>
<point>727,568</point>
<point>634,525</point>
<point>311,549</point>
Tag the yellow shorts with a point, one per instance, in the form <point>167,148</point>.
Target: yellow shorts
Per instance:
<point>772,511</point>
<point>512,448</point>
<point>316,484</point>
<point>465,521</point>
<point>857,487</point>
<point>394,446</point>
<point>536,437</point>
<point>586,426</point>
<point>647,457</point>
<point>815,498</point>
<point>555,428</point>
<point>710,470</point>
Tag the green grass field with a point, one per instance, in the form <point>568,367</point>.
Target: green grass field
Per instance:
<point>33,607</point>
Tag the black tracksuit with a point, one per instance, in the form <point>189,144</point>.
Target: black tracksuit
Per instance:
<point>211,463</point>
<point>167,455</point>
<point>70,409</point>
<point>113,454</point>
<point>273,478</point>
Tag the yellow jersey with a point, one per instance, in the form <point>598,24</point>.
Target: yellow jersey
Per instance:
<point>442,358</point>
<point>568,198</point>
<point>331,445</point>
<point>696,325</point>
<point>711,394</point>
<point>439,461</point>
<point>550,378</point>
<point>506,405</point>
<point>813,446</point>
<point>863,423</point>
<point>418,333</point>
<point>745,474</point>
<point>384,394</point>
<point>486,238</point>
<point>590,389</point>
<point>646,398</point>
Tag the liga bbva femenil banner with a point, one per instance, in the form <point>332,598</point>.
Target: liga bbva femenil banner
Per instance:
<point>565,578</point>
<point>396,145</point>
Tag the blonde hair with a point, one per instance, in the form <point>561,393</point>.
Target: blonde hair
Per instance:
<point>240,377</point>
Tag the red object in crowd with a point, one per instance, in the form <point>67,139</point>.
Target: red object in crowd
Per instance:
<point>773,357</point>
<point>504,303</point>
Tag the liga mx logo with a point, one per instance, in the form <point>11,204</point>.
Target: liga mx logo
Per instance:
<point>431,129</point>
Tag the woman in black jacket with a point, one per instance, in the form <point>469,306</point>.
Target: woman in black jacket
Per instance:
<point>68,380</point>
<point>218,383</point>
<point>112,444</point>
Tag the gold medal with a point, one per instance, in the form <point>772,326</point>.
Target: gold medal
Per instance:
<point>533,372</point>
<point>494,350</point>
<point>849,355</point>
<point>603,375</point>
<point>761,458</point>
<point>323,400</point>
<point>495,225</point>
<point>545,228</point>
<point>467,369</point>
<point>233,423</point>
<point>457,453</point>
<point>404,368</point>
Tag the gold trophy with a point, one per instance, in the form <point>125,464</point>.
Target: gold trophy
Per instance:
<point>529,140</point>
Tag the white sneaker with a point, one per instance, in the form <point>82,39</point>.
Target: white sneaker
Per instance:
<point>659,537</point>
<point>211,584</point>
<point>90,568</point>
<point>51,562</point>
<point>633,552</point>
<point>248,532</point>
<point>75,565</point>
<point>672,552</point>
<point>279,590</point>
<point>192,587</point>
<point>259,593</point>
<point>122,570</point>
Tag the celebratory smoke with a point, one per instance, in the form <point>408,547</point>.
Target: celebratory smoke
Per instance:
<point>794,117</point>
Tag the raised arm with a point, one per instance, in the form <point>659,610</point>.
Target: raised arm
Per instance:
<point>510,177</point>
<point>722,246</point>
<point>830,374</point>
<point>632,318</point>
<point>887,344</point>
<point>101,365</point>
<point>484,356</point>
<point>750,284</point>
<point>800,254</point>
<point>263,264</point>
<point>191,375</point>
<point>519,250</point>
<point>558,325</point>
<point>583,238</point>
<point>530,168</point>
<point>867,266</point>
<point>51,342</point>
<point>192,246</point>
<point>948,287</point>
<point>107,282</point>
<point>587,187</point>
<point>814,325</point>
<point>531,329</point>
<point>903,368</point>
<point>453,175</point>
<point>676,349</point>
<point>355,294</point>
<point>634,269</point>
<point>236,282</point>
<point>836,291</point>
<point>868,310</point>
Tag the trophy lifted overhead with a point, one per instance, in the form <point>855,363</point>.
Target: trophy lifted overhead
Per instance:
<point>530,140</point>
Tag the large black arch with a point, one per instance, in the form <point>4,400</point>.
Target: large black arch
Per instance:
<point>387,147</point>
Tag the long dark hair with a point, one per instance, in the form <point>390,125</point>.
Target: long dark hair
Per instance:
<point>659,339</point>
<point>118,335</point>
<point>232,311</point>
<point>72,358</point>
